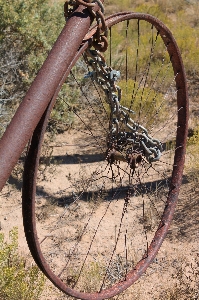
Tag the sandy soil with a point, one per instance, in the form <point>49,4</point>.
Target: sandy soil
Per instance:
<point>177,262</point>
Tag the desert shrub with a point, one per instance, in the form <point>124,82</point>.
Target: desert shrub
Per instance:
<point>186,283</point>
<point>145,102</point>
<point>93,274</point>
<point>170,6</point>
<point>28,30</point>
<point>192,165</point>
<point>188,39</point>
<point>67,103</point>
<point>175,16</point>
<point>11,84</point>
<point>17,281</point>
<point>181,17</point>
<point>32,26</point>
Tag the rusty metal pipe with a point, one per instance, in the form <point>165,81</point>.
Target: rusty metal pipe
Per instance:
<point>41,91</point>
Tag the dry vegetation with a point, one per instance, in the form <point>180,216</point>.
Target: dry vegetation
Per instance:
<point>174,275</point>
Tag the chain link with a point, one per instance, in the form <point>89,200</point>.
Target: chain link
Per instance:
<point>99,41</point>
<point>135,139</point>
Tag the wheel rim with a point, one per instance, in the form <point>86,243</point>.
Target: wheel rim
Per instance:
<point>149,196</point>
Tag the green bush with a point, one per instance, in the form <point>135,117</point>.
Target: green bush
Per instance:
<point>192,164</point>
<point>144,101</point>
<point>180,16</point>
<point>28,29</point>
<point>186,32</point>
<point>32,26</point>
<point>17,281</point>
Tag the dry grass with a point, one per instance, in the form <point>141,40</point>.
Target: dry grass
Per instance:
<point>174,275</point>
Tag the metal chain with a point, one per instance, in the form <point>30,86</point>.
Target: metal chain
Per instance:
<point>99,41</point>
<point>136,136</point>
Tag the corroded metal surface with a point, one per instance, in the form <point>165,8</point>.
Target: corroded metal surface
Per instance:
<point>41,91</point>
<point>33,158</point>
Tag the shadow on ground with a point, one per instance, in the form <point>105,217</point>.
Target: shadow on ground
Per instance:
<point>186,218</point>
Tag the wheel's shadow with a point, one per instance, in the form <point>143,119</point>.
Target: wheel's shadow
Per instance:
<point>87,158</point>
<point>187,227</point>
<point>73,159</point>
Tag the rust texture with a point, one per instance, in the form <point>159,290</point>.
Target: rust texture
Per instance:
<point>41,91</point>
<point>34,152</point>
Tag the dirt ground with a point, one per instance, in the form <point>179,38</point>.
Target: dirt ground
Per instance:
<point>174,272</point>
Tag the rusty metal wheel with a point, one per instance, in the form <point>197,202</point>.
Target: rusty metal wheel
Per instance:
<point>97,210</point>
